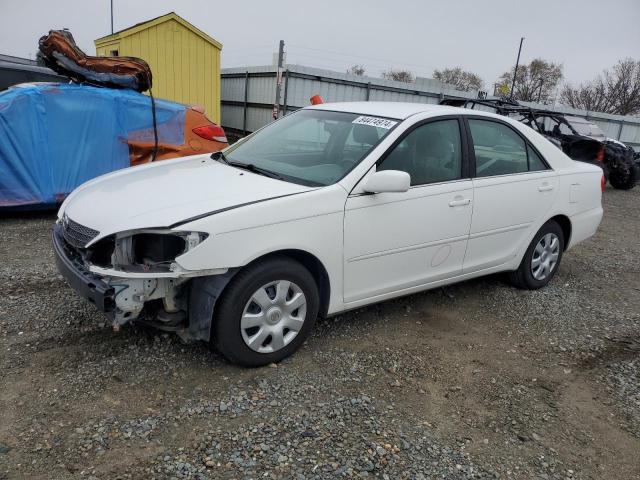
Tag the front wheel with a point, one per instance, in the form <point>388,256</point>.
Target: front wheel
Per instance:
<point>266,312</point>
<point>623,179</point>
<point>542,258</point>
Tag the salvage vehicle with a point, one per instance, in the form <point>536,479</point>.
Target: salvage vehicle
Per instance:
<point>330,208</point>
<point>584,141</point>
<point>579,138</point>
<point>55,136</point>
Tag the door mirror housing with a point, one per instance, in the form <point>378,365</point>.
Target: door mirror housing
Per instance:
<point>388,181</point>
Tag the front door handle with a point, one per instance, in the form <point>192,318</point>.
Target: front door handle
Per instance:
<point>545,187</point>
<point>459,203</point>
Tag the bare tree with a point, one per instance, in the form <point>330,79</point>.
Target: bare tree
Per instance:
<point>587,96</point>
<point>535,82</point>
<point>461,79</point>
<point>357,70</point>
<point>399,75</point>
<point>616,91</point>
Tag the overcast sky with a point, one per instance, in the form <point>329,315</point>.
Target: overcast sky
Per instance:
<point>480,35</point>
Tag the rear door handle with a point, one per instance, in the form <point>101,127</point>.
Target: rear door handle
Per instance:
<point>460,203</point>
<point>545,187</point>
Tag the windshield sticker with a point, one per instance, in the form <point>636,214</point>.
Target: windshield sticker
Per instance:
<point>375,122</point>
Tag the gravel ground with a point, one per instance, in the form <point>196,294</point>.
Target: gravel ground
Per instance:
<point>478,380</point>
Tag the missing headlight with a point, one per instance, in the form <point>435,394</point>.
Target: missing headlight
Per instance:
<point>145,251</point>
<point>152,249</point>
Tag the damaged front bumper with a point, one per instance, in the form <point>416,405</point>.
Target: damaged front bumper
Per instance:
<point>87,284</point>
<point>161,299</point>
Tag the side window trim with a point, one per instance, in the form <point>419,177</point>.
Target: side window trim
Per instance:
<point>464,147</point>
<point>468,140</point>
<point>472,154</point>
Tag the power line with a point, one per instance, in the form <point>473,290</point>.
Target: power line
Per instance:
<point>324,59</point>
<point>340,64</point>
<point>345,64</point>
<point>376,59</point>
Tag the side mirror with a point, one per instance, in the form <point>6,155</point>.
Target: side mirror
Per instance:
<point>388,181</point>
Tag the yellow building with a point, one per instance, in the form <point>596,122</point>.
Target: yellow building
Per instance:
<point>184,60</point>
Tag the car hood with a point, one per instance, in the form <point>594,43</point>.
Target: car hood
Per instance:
<point>166,193</point>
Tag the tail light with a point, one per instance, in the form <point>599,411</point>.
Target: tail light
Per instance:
<point>603,183</point>
<point>211,132</point>
<point>600,155</point>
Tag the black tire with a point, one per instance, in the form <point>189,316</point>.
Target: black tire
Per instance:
<point>226,334</point>
<point>623,179</point>
<point>523,277</point>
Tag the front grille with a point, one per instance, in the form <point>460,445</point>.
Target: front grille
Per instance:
<point>75,234</point>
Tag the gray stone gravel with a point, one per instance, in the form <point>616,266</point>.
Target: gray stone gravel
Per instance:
<point>478,380</point>
<point>622,380</point>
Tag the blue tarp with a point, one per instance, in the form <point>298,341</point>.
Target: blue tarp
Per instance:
<point>54,137</point>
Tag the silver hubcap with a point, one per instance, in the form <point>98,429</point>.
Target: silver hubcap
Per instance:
<point>545,256</point>
<point>273,316</point>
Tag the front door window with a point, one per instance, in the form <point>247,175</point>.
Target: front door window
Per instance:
<point>429,154</point>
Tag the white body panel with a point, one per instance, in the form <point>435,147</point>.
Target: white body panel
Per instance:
<point>499,227</point>
<point>431,247</point>
<point>163,193</point>
<point>374,246</point>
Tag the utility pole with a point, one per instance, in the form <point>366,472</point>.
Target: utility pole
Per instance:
<point>276,106</point>
<point>112,17</point>
<point>515,71</point>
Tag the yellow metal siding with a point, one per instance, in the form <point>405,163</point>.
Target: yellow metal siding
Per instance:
<point>106,48</point>
<point>186,68</point>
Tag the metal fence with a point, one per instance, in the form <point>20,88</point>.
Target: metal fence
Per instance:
<point>248,97</point>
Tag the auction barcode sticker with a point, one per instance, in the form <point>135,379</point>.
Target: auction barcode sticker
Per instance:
<point>375,122</point>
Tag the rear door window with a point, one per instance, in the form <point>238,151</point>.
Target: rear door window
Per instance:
<point>501,151</point>
<point>535,162</point>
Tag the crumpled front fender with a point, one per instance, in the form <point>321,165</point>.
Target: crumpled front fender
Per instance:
<point>203,295</point>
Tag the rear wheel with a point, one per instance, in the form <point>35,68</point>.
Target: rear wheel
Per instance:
<point>266,312</point>
<point>542,258</point>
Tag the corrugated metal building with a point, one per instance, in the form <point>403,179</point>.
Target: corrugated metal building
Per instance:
<point>248,95</point>
<point>184,60</point>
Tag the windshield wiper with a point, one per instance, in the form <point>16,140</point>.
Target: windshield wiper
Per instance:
<point>252,168</point>
<point>219,156</point>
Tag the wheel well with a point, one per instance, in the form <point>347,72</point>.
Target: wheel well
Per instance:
<point>565,225</point>
<point>314,266</point>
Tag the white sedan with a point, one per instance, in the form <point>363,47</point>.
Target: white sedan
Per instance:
<point>330,208</point>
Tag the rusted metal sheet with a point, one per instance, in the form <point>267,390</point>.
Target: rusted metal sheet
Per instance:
<point>61,54</point>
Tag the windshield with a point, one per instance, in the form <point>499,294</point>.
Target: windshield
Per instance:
<point>312,147</point>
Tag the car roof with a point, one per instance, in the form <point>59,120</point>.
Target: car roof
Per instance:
<point>397,110</point>
<point>403,110</point>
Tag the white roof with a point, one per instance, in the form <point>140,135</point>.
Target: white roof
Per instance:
<point>398,110</point>
<point>403,110</point>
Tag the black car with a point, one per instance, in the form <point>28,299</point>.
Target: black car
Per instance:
<point>13,73</point>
